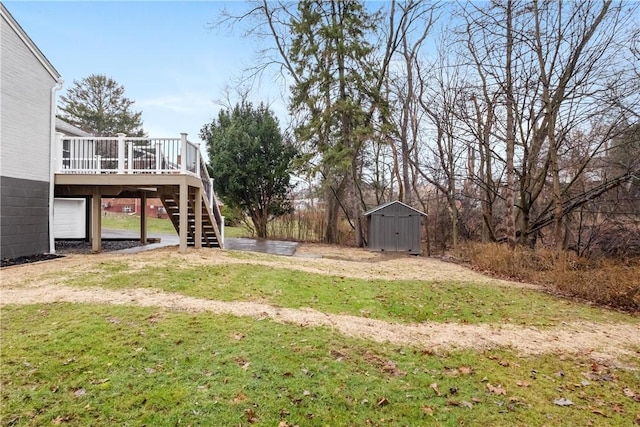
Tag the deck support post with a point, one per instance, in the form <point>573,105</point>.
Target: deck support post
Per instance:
<point>96,222</point>
<point>184,216</point>
<point>197,209</point>
<point>143,218</point>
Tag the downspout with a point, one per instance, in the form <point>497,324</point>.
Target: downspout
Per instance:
<point>52,164</point>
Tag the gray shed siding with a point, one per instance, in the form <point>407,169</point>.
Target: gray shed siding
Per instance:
<point>394,228</point>
<point>26,83</point>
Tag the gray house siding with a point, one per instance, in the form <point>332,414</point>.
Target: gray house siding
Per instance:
<point>24,209</point>
<point>394,227</point>
<point>26,83</point>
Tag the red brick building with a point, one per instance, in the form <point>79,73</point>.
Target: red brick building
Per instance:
<point>154,208</point>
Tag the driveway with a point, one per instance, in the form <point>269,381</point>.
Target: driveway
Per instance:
<point>273,247</point>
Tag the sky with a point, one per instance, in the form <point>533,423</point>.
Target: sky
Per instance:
<point>170,62</point>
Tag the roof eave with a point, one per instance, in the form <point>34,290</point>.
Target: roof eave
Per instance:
<point>377,208</point>
<point>29,43</point>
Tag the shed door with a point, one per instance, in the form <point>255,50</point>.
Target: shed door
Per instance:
<point>398,232</point>
<point>389,233</point>
<point>405,230</point>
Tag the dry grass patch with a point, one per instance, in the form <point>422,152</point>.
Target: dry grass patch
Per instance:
<point>613,283</point>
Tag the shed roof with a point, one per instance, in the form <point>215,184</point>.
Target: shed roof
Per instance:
<point>393,203</point>
<point>28,42</point>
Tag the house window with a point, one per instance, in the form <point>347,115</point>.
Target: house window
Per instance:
<point>127,208</point>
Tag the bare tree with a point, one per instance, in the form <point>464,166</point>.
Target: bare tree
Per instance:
<point>557,67</point>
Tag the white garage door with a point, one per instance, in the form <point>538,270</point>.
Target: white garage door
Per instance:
<point>69,218</point>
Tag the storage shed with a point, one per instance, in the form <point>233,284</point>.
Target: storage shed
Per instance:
<point>394,227</point>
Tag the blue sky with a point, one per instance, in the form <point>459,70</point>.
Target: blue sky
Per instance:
<point>171,64</point>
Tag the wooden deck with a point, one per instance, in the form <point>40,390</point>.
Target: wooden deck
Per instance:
<point>94,168</point>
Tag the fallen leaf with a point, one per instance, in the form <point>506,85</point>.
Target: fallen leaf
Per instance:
<point>466,404</point>
<point>598,411</point>
<point>522,383</point>
<point>452,402</point>
<point>476,399</point>
<point>251,415</point>
<point>434,386</point>
<point>618,409</point>
<point>239,398</point>
<point>563,402</point>
<point>61,419</point>
<point>149,370</point>
<point>383,402</point>
<point>427,409</point>
<point>629,393</point>
<point>496,390</point>
<point>465,370</point>
<point>637,421</point>
<point>391,368</point>
<point>306,393</point>
<point>238,336</point>
<point>79,392</point>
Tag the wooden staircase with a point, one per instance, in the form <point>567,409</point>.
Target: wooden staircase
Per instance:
<point>210,237</point>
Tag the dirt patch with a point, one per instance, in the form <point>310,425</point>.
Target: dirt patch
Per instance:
<point>29,284</point>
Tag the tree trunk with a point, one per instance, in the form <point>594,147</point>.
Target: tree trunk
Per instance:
<point>333,208</point>
<point>510,135</point>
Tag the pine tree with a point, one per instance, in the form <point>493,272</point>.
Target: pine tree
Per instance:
<point>96,104</point>
<point>334,92</point>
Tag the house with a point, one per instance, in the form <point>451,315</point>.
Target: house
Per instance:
<point>38,164</point>
<point>28,85</point>
<point>394,227</point>
<point>154,207</point>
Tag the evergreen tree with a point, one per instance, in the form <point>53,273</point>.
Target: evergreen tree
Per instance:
<point>96,104</point>
<point>336,93</point>
<point>250,162</point>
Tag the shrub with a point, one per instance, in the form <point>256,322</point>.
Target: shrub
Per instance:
<point>610,282</point>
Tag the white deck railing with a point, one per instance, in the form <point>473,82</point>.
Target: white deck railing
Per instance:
<point>134,155</point>
<point>127,155</point>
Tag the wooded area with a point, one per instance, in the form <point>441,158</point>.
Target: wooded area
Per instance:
<point>508,120</point>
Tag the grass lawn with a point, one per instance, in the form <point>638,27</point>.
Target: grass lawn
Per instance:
<point>86,364</point>
<point>155,225</point>
<point>67,364</point>
<point>398,300</point>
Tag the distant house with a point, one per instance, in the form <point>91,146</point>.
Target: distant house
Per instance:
<point>28,84</point>
<point>154,208</point>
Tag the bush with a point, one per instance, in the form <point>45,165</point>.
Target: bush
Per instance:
<point>602,281</point>
<point>232,217</point>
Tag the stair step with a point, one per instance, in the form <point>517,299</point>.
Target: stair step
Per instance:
<point>208,237</point>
